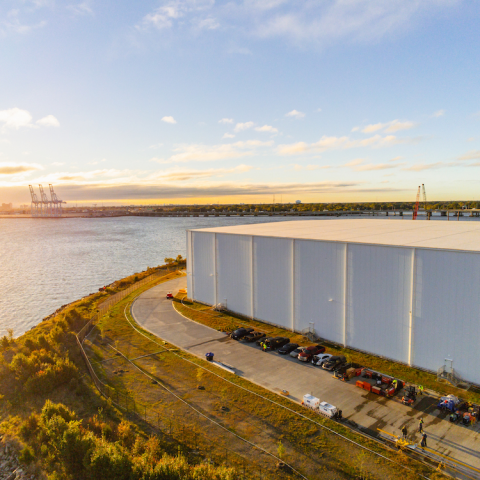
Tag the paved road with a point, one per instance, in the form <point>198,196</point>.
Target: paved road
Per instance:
<point>155,313</point>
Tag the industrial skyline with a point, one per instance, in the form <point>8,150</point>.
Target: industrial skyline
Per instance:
<point>188,102</point>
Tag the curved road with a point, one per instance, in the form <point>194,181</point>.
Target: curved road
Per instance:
<point>275,372</point>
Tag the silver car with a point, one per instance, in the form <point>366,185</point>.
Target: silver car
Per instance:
<point>320,359</point>
<point>297,352</point>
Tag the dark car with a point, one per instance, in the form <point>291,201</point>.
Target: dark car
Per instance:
<point>240,333</point>
<point>286,349</point>
<point>262,340</point>
<point>309,352</point>
<point>335,362</point>
<point>254,336</point>
<point>276,342</point>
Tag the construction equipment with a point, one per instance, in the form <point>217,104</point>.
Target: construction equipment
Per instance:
<point>415,210</point>
<point>424,197</point>
<point>35,206</point>
<point>57,210</point>
<point>46,203</point>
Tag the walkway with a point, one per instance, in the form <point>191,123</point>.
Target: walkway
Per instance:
<point>155,313</point>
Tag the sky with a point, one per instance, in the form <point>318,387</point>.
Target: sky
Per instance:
<point>204,101</point>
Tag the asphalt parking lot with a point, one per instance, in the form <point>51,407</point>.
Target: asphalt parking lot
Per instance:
<point>279,372</point>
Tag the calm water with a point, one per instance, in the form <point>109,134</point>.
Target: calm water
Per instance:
<point>45,263</point>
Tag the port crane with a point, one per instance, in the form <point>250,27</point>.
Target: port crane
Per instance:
<point>424,197</point>
<point>57,210</point>
<point>415,210</point>
<point>35,206</point>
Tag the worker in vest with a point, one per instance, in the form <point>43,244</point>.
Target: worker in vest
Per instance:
<point>264,347</point>
<point>420,426</point>
<point>394,383</point>
<point>420,389</point>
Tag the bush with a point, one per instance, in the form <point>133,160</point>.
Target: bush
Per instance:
<point>126,434</point>
<point>27,455</point>
<point>29,427</point>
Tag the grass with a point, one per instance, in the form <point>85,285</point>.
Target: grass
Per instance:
<point>312,450</point>
<point>227,321</point>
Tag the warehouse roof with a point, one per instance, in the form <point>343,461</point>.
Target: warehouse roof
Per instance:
<point>451,235</point>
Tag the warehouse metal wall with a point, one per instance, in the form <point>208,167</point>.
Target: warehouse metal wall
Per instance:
<point>319,288</point>
<point>379,299</point>
<point>446,311</point>
<point>190,264</point>
<point>203,247</point>
<point>273,280</point>
<point>418,306</point>
<point>234,272</point>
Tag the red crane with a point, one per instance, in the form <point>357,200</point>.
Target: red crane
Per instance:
<point>415,210</point>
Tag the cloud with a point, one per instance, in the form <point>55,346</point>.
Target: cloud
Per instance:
<point>48,121</point>
<point>355,162</point>
<point>438,113</point>
<point>243,126</point>
<point>15,169</point>
<point>338,143</point>
<point>228,135</point>
<point>395,159</point>
<point>175,12</point>
<point>389,127</point>
<point>425,166</point>
<point>358,165</point>
<point>295,114</point>
<point>226,120</point>
<point>15,118</point>
<point>267,128</point>
<point>299,168</point>
<point>209,153</point>
<point>168,120</point>
<point>183,175</point>
<point>471,155</point>
<point>156,145</point>
<point>81,9</point>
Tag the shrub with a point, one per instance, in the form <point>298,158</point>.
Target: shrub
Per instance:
<point>29,427</point>
<point>26,455</point>
<point>109,462</point>
<point>126,434</point>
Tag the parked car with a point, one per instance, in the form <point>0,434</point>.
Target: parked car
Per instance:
<point>276,342</point>
<point>309,352</point>
<point>240,333</point>
<point>320,359</point>
<point>297,351</point>
<point>254,336</point>
<point>335,362</point>
<point>289,347</point>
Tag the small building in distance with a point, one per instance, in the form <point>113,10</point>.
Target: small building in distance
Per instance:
<point>404,290</point>
<point>6,208</point>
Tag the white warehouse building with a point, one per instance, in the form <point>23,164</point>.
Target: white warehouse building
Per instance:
<point>408,291</point>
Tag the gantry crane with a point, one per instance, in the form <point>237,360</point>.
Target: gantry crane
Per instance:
<point>57,210</point>
<point>34,206</point>
<point>415,210</point>
<point>46,203</point>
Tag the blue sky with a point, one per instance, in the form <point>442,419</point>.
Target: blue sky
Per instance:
<point>236,101</point>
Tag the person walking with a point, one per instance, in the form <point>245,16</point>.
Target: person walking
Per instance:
<point>404,432</point>
<point>420,426</point>
<point>424,440</point>
<point>420,389</point>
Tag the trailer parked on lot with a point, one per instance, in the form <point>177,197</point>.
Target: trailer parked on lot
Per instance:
<point>322,408</point>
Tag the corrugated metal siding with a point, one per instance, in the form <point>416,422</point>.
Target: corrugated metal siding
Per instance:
<point>319,278</point>
<point>379,300</point>
<point>273,280</point>
<point>189,265</point>
<point>446,312</point>
<point>204,267</point>
<point>234,272</point>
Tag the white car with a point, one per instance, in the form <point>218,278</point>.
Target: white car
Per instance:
<point>320,359</point>
<point>297,352</point>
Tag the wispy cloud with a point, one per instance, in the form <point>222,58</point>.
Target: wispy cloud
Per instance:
<point>300,168</point>
<point>338,143</point>
<point>267,128</point>
<point>226,120</point>
<point>48,121</point>
<point>169,120</point>
<point>15,168</point>
<point>471,155</point>
<point>425,166</point>
<point>182,175</point>
<point>388,127</point>
<point>228,135</point>
<point>81,9</point>
<point>15,118</point>
<point>208,153</point>
<point>438,113</point>
<point>295,114</point>
<point>243,126</point>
